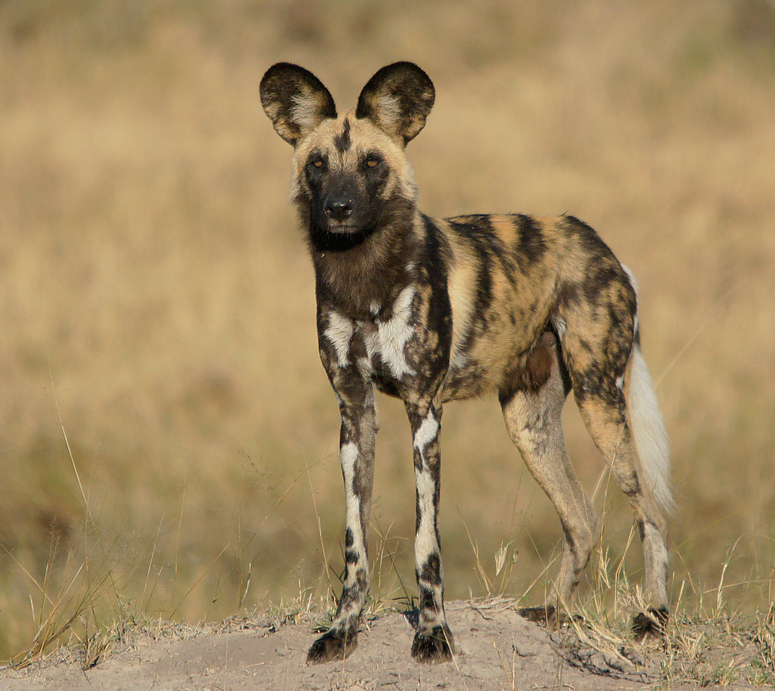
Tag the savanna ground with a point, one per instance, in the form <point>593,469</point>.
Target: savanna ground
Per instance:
<point>168,437</point>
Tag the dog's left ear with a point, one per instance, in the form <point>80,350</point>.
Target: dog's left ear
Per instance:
<point>397,99</point>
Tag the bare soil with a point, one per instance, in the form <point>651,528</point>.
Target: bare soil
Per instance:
<point>496,649</point>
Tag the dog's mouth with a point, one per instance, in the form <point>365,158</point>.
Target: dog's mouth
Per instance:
<point>342,228</point>
<point>340,237</point>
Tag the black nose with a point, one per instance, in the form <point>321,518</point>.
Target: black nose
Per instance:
<point>339,209</point>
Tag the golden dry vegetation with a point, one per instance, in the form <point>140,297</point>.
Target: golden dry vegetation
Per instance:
<point>168,437</point>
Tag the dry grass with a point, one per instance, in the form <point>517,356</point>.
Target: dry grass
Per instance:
<point>164,417</point>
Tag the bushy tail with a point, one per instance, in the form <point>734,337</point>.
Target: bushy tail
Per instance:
<point>648,429</point>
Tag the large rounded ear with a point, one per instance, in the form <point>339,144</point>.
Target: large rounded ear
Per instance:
<point>397,99</point>
<point>295,100</point>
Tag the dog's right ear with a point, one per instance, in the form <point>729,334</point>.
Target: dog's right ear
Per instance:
<point>295,100</point>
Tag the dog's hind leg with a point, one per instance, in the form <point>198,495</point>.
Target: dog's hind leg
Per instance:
<point>617,403</point>
<point>610,418</point>
<point>533,415</point>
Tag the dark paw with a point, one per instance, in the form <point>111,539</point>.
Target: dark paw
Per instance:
<point>332,645</point>
<point>539,615</point>
<point>434,645</point>
<point>651,624</point>
<point>548,616</point>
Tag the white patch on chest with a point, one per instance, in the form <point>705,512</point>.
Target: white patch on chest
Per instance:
<point>339,332</point>
<point>392,335</point>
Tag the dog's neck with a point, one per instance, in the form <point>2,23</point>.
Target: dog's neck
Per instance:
<point>361,278</point>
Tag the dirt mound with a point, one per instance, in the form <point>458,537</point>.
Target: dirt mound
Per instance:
<point>497,649</point>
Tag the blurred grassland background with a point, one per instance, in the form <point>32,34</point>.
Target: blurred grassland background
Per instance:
<point>168,438</point>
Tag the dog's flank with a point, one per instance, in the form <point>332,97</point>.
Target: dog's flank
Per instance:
<point>432,310</point>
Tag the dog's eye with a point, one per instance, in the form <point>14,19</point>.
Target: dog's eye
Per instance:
<point>373,161</point>
<point>316,162</point>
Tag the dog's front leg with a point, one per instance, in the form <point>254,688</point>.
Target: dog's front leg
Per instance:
<point>433,641</point>
<point>356,452</point>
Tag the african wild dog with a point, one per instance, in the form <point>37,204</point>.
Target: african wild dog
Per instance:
<point>433,310</point>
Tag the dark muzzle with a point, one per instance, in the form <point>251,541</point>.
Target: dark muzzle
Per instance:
<point>339,209</point>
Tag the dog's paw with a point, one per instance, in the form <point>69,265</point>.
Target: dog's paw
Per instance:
<point>539,615</point>
<point>650,624</point>
<point>433,645</point>
<point>334,644</point>
<point>549,616</point>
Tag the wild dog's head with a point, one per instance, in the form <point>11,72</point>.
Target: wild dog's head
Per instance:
<point>350,173</point>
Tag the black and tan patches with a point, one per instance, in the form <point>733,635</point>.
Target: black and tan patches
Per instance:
<point>531,243</point>
<point>524,306</point>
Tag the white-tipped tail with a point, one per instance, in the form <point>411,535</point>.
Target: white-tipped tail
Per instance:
<point>649,431</point>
